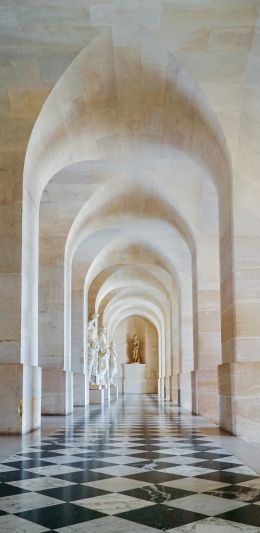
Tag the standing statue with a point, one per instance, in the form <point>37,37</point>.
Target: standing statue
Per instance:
<point>112,363</point>
<point>93,346</point>
<point>103,357</point>
<point>135,343</point>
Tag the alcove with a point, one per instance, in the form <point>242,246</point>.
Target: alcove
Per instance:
<point>148,337</point>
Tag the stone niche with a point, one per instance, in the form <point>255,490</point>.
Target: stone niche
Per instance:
<point>148,337</point>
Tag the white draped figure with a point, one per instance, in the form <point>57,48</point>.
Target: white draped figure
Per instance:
<point>112,363</point>
<point>93,346</point>
<point>103,357</point>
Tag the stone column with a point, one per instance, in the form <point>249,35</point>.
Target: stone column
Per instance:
<point>205,376</point>
<point>186,363</point>
<point>239,375</point>
<point>77,341</point>
<point>207,322</point>
<point>20,377</point>
<point>57,383</point>
<point>57,391</point>
<point>20,398</point>
<point>80,387</point>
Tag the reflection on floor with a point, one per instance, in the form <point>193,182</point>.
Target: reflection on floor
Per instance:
<point>140,466</point>
<point>11,444</point>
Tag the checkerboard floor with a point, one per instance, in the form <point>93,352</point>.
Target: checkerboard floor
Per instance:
<point>137,466</point>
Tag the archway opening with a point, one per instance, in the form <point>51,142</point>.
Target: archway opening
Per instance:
<point>146,381</point>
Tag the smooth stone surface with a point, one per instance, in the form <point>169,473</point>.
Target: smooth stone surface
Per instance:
<point>57,391</point>
<point>96,396</point>
<point>134,381</point>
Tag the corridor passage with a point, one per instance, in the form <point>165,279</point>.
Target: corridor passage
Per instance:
<point>141,465</point>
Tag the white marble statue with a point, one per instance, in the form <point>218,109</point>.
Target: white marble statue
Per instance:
<point>93,347</point>
<point>103,358</point>
<point>136,344</point>
<point>112,363</point>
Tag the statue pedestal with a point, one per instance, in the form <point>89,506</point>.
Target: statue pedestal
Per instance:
<point>134,381</point>
<point>114,392</point>
<point>96,394</point>
<point>107,393</point>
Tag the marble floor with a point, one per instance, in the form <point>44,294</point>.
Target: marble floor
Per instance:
<point>141,465</point>
<point>11,444</point>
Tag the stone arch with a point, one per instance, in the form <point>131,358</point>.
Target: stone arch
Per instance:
<point>127,295</point>
<point>115,202</point>
<point>128,310</point>
<point>142,276</point>
<point>135,277</point>
<point>104,222</point>
<point>138,277</point>
<point>61,137</point>
<point>55,142</point>
<point>151,254</point>
<point>85,319</point>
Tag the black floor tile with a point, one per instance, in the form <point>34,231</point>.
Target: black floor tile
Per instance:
<point>249,515</point>
<point>89,465</point>
<point>62,515</point>
<point>142,464</point>
<point>153,477</point>
<point>160,465</point>
<point>157,493</point>
<point>218,465</point>
<point>73,493</point>
<point>10,490</point>
<point>236,492</point>
<point>93,455</point>
<point>195,448</point>
<point>161,516</point>
<point>39,455</point>
<point>155,448</point>
<point>207,455</point>
<point>16,475</point>
<point>226,477</point>
<point>46,448</point>
<point>151,455</point>
<point>28,463</point>
<point>83,477</point>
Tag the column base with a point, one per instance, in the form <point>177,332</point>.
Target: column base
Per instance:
<point>205,397</point>
<point>174,388</point>
<point>239,391</point>
<point>80,395</point>
<point>151,385</point>
<point>57,391</point>
<point>184,386</point>
<point>161,391</point>
<point>167,387</point>
<point>20,398</point>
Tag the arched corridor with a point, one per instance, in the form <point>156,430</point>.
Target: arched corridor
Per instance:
<point>129,215</point>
